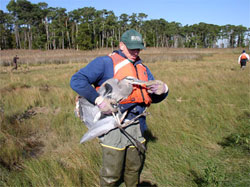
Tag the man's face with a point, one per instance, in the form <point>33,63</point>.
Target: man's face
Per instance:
<point>131,54</point>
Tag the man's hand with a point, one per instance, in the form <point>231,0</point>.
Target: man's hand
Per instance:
<point>156,87</point>
<point>105,105</point>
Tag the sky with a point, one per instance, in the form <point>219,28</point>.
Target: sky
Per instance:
<point>186,12</point>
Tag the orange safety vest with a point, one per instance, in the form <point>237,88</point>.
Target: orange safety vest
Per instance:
<point>123,68</point>
<point>243,57</point>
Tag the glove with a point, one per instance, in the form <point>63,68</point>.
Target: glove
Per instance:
<point>156,87</point>
<point>104,104</point>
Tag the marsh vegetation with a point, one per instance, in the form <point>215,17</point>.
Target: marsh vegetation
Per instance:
<point>199,136</point>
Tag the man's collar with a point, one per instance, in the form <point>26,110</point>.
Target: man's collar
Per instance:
<point>138,60</point>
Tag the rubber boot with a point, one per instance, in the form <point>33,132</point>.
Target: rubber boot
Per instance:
<point>112,165</point>
<point>133,165</point>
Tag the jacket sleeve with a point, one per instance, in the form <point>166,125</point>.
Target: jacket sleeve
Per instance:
<point>93,74</point>
<point>156,98</point>
<point>239,59</point>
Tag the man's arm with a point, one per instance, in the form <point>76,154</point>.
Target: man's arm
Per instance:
<point>95,73</point>
<point>239,59</point>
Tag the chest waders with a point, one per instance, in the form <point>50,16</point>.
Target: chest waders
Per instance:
<point>117,162</point>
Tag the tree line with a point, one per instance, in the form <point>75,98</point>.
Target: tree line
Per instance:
<point>37,26</point>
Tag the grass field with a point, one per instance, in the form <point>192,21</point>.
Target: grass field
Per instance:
<point>200,135</point>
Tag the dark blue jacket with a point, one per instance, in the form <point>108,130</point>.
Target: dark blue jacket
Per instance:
<point>97,72</point>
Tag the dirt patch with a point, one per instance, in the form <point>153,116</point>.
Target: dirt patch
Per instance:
<point>44,87</point>
<point>14,87</point>
<point>29,113</point>
<point>15,150</point>
<point>33,147</point>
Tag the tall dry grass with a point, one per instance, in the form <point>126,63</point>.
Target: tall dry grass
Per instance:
<point>38,57</point>
<point>199,134</point>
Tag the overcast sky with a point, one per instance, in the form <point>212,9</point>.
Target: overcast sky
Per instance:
<point>219,12</point>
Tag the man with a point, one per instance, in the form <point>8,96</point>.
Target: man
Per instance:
<point>243,58</point>
<point>15,62</point>
<point>120,157</point>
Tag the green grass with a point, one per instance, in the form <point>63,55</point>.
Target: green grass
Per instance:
<point>199,135</point>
